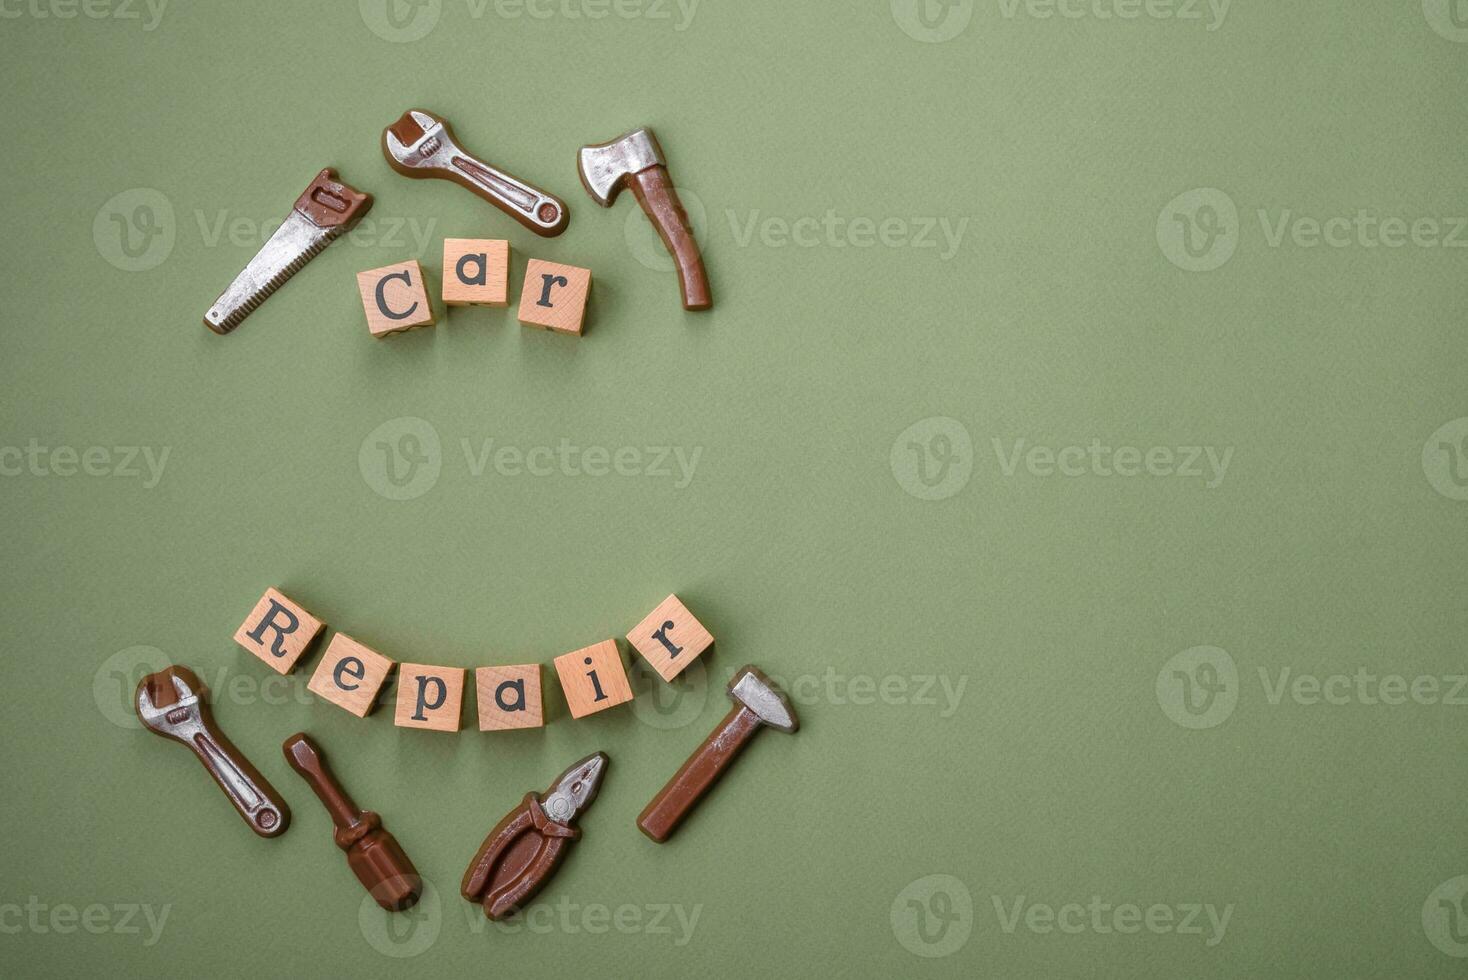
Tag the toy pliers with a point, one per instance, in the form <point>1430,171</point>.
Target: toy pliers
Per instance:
<point>523,850</point>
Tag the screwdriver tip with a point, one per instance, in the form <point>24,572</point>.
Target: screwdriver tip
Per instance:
<point>301,752</point>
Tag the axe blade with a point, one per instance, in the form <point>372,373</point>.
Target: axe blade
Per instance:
<point>605,167</point>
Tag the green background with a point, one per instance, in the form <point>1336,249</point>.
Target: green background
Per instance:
<point>1055,601</point>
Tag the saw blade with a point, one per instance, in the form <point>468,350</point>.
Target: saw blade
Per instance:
<point>296,242</point>
<point>324,211</point>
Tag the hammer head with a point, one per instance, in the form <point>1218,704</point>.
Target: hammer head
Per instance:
<point>605,167</point>
<point>759,694</point>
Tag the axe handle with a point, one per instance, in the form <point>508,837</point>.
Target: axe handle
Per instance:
<point>655,192</point>
<point>661,817</point>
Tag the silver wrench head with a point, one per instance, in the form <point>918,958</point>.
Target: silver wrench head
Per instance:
<point>174,718</point>
<point>417,141</point>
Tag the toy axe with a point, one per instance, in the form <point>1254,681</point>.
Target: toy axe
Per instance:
<point>637,159</point>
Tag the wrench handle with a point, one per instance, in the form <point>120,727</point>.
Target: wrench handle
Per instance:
<point>662,816</point>
<point>659,199</point>
<point>252,795</point>
<point>542,213</point>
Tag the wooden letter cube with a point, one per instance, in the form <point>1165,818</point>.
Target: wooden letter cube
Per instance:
<point>395,298</point>
<point>429,697</point>
<point>554,296</point>
<point>476,272</point>
<point>278,631</point>
<point>509,697</point>
<point>593,679</point>
<point>350,675</point>
<point>670,639</point>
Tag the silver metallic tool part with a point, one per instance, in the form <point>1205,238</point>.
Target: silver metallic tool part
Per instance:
<point>436,150</point>
<point>575,789</point>
<point>181,721</point>
<point>297,241</point>
<point>768,705</point>
<point>604,166</point>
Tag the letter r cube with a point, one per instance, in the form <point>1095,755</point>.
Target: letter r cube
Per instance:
<point>278,631</point>
<point>670,638</point>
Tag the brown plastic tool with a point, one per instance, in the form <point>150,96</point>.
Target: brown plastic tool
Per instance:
<point>326,210</point>
<point>374,854</point>
<point>636,158</point>
<point>757,703</point>
<point>524,849</point>
<point>421,145</point>
<point>173,703</point>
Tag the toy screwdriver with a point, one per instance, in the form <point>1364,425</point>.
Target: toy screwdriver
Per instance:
<point>375,855</point>
<point>523,850</point>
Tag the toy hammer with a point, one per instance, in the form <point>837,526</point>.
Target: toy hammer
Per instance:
<point>636,158</point>
<point>757,703</point>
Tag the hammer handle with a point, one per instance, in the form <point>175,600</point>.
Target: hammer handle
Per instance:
<point>655,192</point>
<point>661,817</point>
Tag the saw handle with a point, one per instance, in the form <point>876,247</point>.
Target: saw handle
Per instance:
<point>659,199</point>
<point>329,203</point>
<point>662,816</point>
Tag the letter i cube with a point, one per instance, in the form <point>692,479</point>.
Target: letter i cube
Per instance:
<point>593,679</point>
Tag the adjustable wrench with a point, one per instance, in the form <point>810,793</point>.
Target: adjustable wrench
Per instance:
<point>188,720</point>
<point>421,145</point>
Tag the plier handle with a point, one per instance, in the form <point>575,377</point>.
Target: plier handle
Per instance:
<point>516,859</point>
